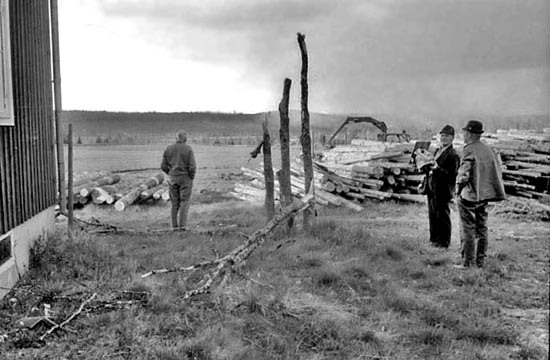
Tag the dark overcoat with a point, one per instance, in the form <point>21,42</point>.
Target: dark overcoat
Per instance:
<point>440,182</point>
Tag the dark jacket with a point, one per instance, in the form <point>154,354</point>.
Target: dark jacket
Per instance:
<point>479,176</point>
<point>178,161</point>
<point>440,181</point>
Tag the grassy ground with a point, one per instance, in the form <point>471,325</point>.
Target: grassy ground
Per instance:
<point>360,286</point>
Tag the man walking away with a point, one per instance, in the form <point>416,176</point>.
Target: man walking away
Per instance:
<point>478,182</point>
<point>178,162</point>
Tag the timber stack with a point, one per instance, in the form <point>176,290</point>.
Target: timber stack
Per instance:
<point>112,189</point>
<point>525,157</point>
<point>370,170</point>
<point>349,175</point>
<point>137,193</point>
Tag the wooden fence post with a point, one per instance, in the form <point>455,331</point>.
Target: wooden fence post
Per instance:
<point>305,137</point>
<point>284,136</point>
<point>268,174</point>
<point>70,183</point>
<point>58,105</point>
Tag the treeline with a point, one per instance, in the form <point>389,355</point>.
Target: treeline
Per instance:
<point>105,127</point>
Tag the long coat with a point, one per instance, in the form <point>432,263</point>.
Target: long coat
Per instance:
<point>440,182</point>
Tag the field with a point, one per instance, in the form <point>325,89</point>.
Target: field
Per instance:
<point>359,286</point>
<point>213,162</point>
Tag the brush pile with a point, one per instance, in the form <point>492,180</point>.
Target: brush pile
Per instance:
<point>119,191</point>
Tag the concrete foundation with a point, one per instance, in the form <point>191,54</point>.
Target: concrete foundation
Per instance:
<point>22,239</point>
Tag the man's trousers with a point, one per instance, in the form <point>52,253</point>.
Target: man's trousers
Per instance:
<point>439,216</point>
<point>180,198</point>
<point>473,231</point>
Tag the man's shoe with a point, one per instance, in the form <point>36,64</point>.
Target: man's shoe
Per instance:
<point>461,267</point>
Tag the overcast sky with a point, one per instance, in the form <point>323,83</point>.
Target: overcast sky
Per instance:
<point>423,57</point>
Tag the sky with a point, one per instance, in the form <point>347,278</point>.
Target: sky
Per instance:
<point>418,57</point>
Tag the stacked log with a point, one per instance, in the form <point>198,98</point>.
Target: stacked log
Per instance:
<point>85,189</point>
<point>375,170</point>
<point>101,196</point>
<point>160,192</point>
<point>525,157</point>
<point>150,193</point>
<point>135,194</point>
<point>254,190</point>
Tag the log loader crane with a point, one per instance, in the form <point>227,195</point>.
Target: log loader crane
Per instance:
<point>383,136</point>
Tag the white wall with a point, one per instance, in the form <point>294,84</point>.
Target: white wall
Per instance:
<point>22,239</point>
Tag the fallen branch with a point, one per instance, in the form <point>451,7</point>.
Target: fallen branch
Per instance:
<point>185,269</point>
<point>253,242</point>
<point>75,314</point>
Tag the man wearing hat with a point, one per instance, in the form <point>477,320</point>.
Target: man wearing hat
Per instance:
<point>439,184</point>
<point>478,182</point>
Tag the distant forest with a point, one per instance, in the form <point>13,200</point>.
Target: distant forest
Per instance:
<point>104,127</point>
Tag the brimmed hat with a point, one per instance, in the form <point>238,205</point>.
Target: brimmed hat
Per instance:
<point>448,129</point>
<point>474,126</point>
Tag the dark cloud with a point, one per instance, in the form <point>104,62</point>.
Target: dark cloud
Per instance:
<point>363,54</point>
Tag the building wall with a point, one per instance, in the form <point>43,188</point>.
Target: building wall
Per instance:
<point>27,158</point>
<point>23,238</point>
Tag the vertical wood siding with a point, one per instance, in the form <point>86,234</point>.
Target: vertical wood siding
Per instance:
<point>27,158</point>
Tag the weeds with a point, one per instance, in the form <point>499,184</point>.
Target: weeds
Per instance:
<point>486,333</point>
<point>351,289</point>
<point>399,302</point>
<point>429,336</point>
<point>327,277</point>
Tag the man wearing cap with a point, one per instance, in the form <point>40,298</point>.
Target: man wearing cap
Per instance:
<point>178,161</point>
<point>478,182</point>
<point>439,187</point>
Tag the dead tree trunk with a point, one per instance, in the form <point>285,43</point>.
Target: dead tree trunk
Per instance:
<point>305,138</point>
<point>268,173</point>
<point>285,187</point>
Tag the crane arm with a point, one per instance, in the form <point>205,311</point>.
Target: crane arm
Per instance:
<point>358,119</point>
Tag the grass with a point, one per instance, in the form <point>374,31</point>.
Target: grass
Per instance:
<point>360,286</point>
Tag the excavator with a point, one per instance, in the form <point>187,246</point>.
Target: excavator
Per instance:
<point>383,136</point>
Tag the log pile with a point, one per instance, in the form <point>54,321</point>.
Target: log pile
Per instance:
<point>112,189</point>
<point>526,162</point>
<point>136,193</point>
<point>347,176</point>
<point>370,170</point>
<point>377,170</point>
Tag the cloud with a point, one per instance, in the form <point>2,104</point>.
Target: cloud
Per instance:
<point>406,55</point>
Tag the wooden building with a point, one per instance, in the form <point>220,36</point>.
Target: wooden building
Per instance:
<point>27,138</point>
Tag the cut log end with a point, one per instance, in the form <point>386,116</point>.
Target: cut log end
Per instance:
<point>120,206</point>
